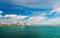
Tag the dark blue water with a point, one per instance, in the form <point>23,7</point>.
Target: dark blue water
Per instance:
<point>29,32</point>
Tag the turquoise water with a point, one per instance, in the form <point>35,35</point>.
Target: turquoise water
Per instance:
<point>29,32</point>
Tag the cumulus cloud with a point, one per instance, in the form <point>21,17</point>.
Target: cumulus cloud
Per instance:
<point>44,20</point>
<point>10,15</point>
<point>55,20</point>
<point>39,19</point>
<point>12,19</point>
<point>16,16</point>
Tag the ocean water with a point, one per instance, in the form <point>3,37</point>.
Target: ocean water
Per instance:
<point>29,32</point>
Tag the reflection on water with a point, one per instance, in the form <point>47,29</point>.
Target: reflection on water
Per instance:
<point>29,32</point>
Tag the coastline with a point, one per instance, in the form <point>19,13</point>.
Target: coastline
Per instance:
<point>5,25</point>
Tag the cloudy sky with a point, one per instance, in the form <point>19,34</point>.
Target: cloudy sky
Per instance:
<point>32,11</point>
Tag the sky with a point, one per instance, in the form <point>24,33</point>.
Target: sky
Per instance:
<point>31,11</point>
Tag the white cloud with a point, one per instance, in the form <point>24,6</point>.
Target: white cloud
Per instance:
<point>56,8</point>
<point>37,19</point>
<point>51,21</point>
<point>22,16</point>
<point>44,20</point>
<point>12,19</point>
<point>38,13</point>
<point>35,3</point>
<point>1,13</point>
<point>10,15</point>
<point>15,16</point>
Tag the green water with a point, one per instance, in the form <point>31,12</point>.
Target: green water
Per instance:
<point>29,32</point>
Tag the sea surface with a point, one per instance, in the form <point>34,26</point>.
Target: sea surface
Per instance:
<point>30,32</point>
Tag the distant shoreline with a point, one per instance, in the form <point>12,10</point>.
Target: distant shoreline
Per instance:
<point>4,25</point>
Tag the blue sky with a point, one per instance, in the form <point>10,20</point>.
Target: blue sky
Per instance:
<point>31,8</point>
<point>11,7</point>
